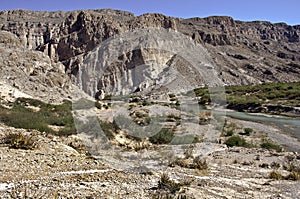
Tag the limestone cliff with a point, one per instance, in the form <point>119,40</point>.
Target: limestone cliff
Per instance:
<point>239,52</point>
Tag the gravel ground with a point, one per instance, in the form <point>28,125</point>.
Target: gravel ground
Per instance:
<point>56,170</point>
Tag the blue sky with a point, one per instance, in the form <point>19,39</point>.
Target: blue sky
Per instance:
<point>246,10</point>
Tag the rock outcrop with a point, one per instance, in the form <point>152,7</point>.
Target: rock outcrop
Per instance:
<point>240,52</point>
<point>30,71</point>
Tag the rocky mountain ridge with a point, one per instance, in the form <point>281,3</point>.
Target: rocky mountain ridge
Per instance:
<point>241,52</point>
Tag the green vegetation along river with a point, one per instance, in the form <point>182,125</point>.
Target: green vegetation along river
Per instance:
<point>289,125</point>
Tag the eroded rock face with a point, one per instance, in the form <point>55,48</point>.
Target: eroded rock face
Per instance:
<point>31,72</point>
<point>241,52</point>
<point>152,60</point>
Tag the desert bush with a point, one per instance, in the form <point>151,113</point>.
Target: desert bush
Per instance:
<point>236,141</point>
<point>66,131</point>
<point>179,162</point>
<point>135,99</point>
<point>140,117</point>
<point>229,133</point>
<point>107,97</point>
<point>79,147</point>
<point>275,165</point>
<point>164,136</point>
<point>109,128</point>
<point>293,175</point>
<point>293,167</point>
<point>247,131</point>
<point>171,95</point>
<point>188,152</point>
<point>294,172</point>
<point>276,175</point>
<point>146,103</point>
<point>232,125</point>
<point>173,118</point>
<point>20,116</point>
<point>199,163</point>
<point>267,144</point>
<point>19,141</point>
<point>205,99</point>
<point>166,183</point>
<point>205,118</point>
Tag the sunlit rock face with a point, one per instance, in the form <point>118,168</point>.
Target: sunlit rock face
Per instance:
<point>152,60</point>
<point>238,52</point>
<point>31,72</point>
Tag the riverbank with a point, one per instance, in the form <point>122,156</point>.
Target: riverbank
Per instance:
<point>284,125</point>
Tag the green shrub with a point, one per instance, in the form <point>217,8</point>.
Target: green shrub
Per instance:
<point>140,117</point>
<point>205,99</point>
<point>86,104</point>
<point>267,144</point>
<point>109,129</point>
<point>107,97</point>
<point>146,103</point>
<point>235,141</point>
<point>229,133</point>
<point>29,101</point>
<point>257,95</point>
<point>164,136</point>
<point>20,116</point>
<point>25,118</point>
<point>247,132</point>
<point>67,130</point>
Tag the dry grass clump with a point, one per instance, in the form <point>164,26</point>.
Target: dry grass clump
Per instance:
<point>19,141</point>
<point>168,188</point>
<point>197,163</point>
<point>293,175</point>
<point>276,175</point>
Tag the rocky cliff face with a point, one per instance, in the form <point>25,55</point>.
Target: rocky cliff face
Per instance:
<point>29,71</point>
<point>239,52</point>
